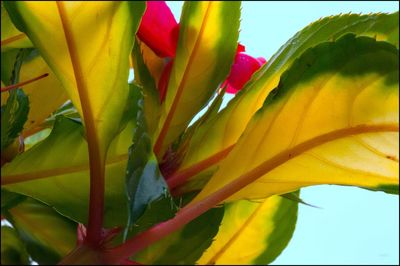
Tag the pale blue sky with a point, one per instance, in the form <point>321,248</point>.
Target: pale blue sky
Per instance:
<point>354,226</point>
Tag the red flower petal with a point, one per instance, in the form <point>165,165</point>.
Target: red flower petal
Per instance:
<point>158,29</point>
<point>261,60</point>
<point>241,71</point>
<point>241,48</point>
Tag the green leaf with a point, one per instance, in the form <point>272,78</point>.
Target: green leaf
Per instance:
<point>11,38</point>
<point>47,235</point>
<point>151,95</point>
<point>206,48</point>
<point>158,210</point>
<point>184,247</point>
<point>55,171</point>
<point>43,173</point>
<point>15,112</point>
<point>252,232</point>
<point>13,251</point>
<point>45,95</point>
<point>218,136</point>
<point>13,117</point>
<point>144,182</point>
<point>10,200</point>
<point>7,66</point>
<point>333,119</point>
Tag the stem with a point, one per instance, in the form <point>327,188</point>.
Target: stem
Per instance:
<point>20,84</point>
<point>12,39</point>
<point>193,210</point>
<point>96,158</point>
<point>82,255</point>
<point>180,177</point>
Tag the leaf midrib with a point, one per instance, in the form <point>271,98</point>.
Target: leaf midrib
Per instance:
<point>268,165</point>
<point>164,130</point>
<point>12,39</point>
<point>235,236</point>
<point>13,179</point>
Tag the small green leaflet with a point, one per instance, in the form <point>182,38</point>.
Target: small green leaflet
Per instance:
<point>185,246</point>
<point>13,251</point>
<point>144,182</point>
<point>151,95</point>
<point>15,112</point>
<point>9,200</point>
<point>47,235</point>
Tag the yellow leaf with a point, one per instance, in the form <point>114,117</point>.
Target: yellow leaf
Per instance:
<point>206,49</point>
<point>11,37</point>
<point>154,63</point>
<point>45,95</point>
<point>333,119</point>
<point>217,137</point>
<point>252,232</point>
<point>92,65</point>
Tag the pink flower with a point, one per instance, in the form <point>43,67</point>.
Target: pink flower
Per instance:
<point>242,69</point>
<point>158,29</point>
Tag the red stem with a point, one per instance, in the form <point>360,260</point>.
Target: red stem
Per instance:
<point>193,210</point>
<point>180,177</point>
<point>20,84</point>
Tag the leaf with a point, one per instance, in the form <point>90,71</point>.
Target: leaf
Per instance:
<point>7,66</point>
<point>13,117</point>
<point>184,247</point>
<point>174,157</point>
<point>45,95</point>
<point>13,251</point>
<point>92,65</point>
<point>151,95</point>
<point>11,38</point>
<point>144,182</point>
<point>43,172</point>
<point>47,235</point>
<point>333,119</point>
<point>10,200</point>
<point>15,112</point>
<point>159,210</point>
<point>252,232</point>
<point>55,171</point>
<point>154,63</point>
<point>206,49</point>
<point>222,133</point>
<point>293,196</point>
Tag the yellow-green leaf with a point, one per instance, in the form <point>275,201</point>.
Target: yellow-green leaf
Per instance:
<point>252,232</point>
<point>186,245</point>
<point>333,119</point>
<point>206,49</point>
<point>217,137</point>
<point>47,235</point>
<point>149,89</point>
<point>11,37</point>
<point>45,95</point>
<point>92,65</point>
<point>56,172</point>
<point>154,63</point>
<point>13,251</point>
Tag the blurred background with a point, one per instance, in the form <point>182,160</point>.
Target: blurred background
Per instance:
<point>352,226</point>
